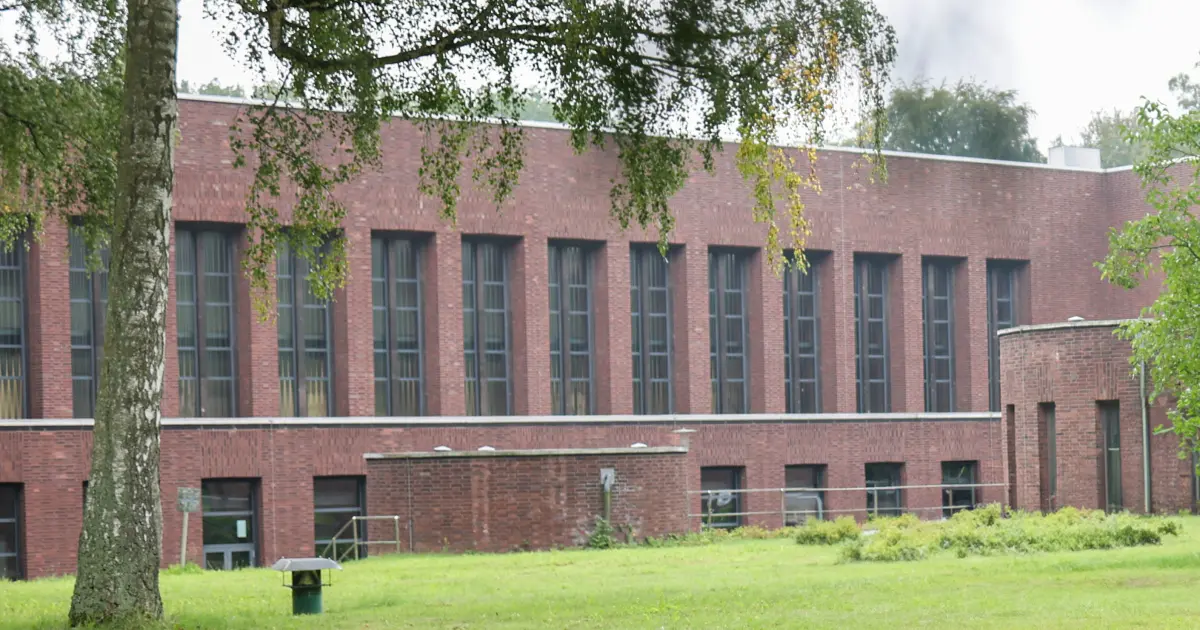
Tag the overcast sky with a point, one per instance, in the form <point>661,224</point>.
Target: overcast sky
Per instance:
<point>1066,58</point>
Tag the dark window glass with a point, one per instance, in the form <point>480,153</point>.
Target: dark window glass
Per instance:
<point>89,298</point>
<point>958,486</point>
<point>937,298</point>
<point>399,347</point>
<point>230,521</point>
<point>873,373</point>
<point>10,532</point>
<point>1048,455</point>
<point>336,500</point>
<point>884,495</point>
<point>12,332</point>
<point>801,341</point>
<point>570,330</point>
<point>486,328</point>
<point>1002,313</point>
<point>727,332</point>
<point>305,365</point>
<point>650,309</point>
<point>1110,427</point>
<point>805,498</point>
<point>204,280</point>
<point>719,506</point>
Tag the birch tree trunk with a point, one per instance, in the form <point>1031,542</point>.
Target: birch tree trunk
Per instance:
<point>121,544</point>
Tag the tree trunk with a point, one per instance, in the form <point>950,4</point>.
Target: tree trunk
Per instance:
<point>121,544</point>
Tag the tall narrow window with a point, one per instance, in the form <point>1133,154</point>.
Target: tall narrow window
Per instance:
<point>937,297</point>
<point>727,331</point>
<point>885,497</point>
<point>1002,313</point>
<point>870,335</point>
<point>10,531</point>
<point>800,340</point>
<point>570,330</point>
<point>1048,455</point>
<point>486,328</point>
<point>12,332</point>
<point>305,366</point>
<point>650,308</point>
<point>1110,428</point>
<point>89,299</point>
<point>396,297</point>
<point>958,486</point>
<point>336,501</point>
<point>204,308</point>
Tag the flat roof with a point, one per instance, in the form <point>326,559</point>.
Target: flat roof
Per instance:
<point>532,452</point>
<point>537,124</point>
<point>1032,328</point>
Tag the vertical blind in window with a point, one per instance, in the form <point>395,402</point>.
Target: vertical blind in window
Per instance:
<point>570,330</point>
<point>204,280</point>
<point>800,340</point>
<point>650,311</point>
<point>486,328</point>
<point>396,298</point>
<point>305,366</point>
<point>89,300</point>
<point>727,331</point>
<point>870,335</point>
<point>938,307</point>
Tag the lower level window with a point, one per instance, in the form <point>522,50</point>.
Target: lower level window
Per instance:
<point>958,486</point>
<point>884,495</point>
<point>804,498</point>
<point>720,503</point>
<point>336,501</point>
<point>230,523</point>
<point>10,532</point>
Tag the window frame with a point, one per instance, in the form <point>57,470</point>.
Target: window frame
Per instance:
<point>1110,428</point>
<point>253,528</point>
<point>504,247</point>
<point>929,270</point>
<point>199,302</point>
<point>950,504</point>
<point>389,241</point>
<point>359,510</point>
<point>738,474</point>
<point>642,258</point>
<point>895,482</point>
<point>718,328</point>
<point>18,507</point>
<point>299,272</point>
<point>1000,271</point>
<point>96,316</point>
<point>793,323</point>
<point>557,277</point>
<point>863,266</point>
<point>820,474</point>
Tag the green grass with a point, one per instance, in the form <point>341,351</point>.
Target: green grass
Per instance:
<point>733,584</point>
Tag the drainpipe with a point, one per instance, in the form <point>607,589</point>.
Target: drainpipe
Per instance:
<point>1145,437</point>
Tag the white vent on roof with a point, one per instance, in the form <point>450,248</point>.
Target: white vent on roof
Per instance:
<point>486,448</point>
<point>637,445</point>
<point>1075,319</point>
<point>442,449</point>
<point>1075,157</point>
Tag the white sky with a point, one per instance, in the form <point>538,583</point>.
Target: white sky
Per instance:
<point>1066,58</point>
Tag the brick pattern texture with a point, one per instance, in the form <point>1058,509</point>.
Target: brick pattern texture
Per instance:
<point>1076,368</point>
<point>523,503</point>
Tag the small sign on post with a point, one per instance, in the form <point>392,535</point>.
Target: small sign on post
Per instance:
<point>187,501</point>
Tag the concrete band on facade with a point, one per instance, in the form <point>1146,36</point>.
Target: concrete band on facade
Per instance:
<point>1044,226</point>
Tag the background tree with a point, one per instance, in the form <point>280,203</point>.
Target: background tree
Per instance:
<point>655,81</point>
<point>1165,245</point>
<point>968,119</point>
<point>212,88</point>
<point>1109,132</point>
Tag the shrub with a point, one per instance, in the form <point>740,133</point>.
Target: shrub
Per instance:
<point>816,532</point>
<point>706,536</point>
<point>602,537</point>
<point>758,532</point>
<point>987,531</point>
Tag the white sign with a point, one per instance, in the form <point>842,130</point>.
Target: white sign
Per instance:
<point>607,477</point>
<point>241,529</point>
<point>188,500</point>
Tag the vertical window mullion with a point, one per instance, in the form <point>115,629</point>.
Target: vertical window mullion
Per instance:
<point>201,329</point>
<point>644,300</point>
<point>480,343</point>
<point>390,298</point>
<point>721,336</point>
<point>299,277</point>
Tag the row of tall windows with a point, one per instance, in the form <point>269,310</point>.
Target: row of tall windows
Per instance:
<point>205,277</point>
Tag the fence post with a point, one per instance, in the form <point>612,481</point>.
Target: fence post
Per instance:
<point>783,507</point>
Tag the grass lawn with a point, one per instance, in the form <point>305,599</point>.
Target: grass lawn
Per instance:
<point>738,584</point>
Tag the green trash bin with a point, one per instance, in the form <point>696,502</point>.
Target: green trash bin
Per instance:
<point>307,584</point>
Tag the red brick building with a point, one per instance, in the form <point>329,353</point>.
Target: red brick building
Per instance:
<point>541,325</point>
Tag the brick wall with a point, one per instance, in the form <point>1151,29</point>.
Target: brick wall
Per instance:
<point>1075,366</point>
<point>540,500</point>
<point>52,464</point>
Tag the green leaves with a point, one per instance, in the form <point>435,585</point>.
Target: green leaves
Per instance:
<point>1165,245</point>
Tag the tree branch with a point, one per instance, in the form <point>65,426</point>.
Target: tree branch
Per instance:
<point>29,126</point>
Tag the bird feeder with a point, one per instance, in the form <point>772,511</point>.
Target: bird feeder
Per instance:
<point>307,582</point>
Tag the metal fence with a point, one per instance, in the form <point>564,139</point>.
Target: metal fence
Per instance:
<point>724,508</point>
<point>358,540</point>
